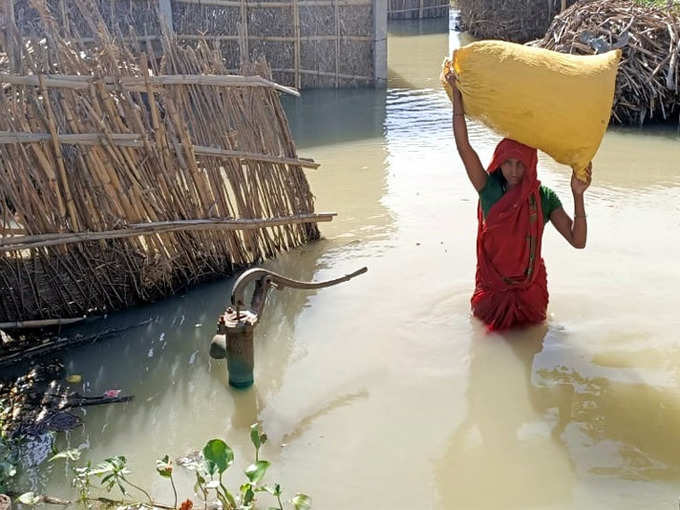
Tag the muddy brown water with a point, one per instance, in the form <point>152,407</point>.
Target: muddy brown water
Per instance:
<point>384,392</point>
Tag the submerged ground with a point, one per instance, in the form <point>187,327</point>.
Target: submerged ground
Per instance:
<point>384,392</point>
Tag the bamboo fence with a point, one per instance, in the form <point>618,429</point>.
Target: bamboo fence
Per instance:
<point>417,9</point>
<point>125,177</point>
<point>308,43</point>
<point>509,20</point>
<point>648,82</point>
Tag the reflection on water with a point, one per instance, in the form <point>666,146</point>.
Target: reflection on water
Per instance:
<point>383,392</point>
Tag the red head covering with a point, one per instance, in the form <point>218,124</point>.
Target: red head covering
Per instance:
<point>511,286</point>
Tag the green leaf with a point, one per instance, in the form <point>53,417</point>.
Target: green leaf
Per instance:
<point>255,472</point>
<point>71,455</point>
<point>29,498</point>
<point>301,502</point>
<point>255,435</point>
<point>277,490</point>
<point>218,455</point>
<point>248,497</point>
<point>164,467</point>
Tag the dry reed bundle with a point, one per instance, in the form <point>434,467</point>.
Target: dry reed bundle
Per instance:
<point>509,20</point>
<point>647,86</point>
<point>125,177</point>
<point>417,9</point>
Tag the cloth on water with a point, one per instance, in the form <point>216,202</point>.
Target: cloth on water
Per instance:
<point>558,103</point>
<point>511,283</point>
<point>494,189</point>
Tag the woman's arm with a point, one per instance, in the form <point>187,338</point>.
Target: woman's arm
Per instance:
<point>576,231</point>
<point>473,165</point>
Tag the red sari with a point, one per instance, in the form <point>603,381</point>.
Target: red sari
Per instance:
<point>511,285</point>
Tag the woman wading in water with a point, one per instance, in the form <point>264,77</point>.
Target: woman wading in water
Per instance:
<point>511,285</point>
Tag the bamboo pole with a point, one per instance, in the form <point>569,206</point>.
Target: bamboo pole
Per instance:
<point>135,140</point>
<point>165,17</point>
<point>282,5</point>
<point>65,187</point>
<point>296,28</point>
<point>138,84</point>
<point>159,227</point>
<point>273,38</point>
<point>40,323</point>
<point>245,50</point>
<point>337,43</point>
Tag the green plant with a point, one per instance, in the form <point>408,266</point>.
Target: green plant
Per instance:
<point>208,466</point>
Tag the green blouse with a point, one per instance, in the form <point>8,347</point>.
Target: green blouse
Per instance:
<point>494,189</point>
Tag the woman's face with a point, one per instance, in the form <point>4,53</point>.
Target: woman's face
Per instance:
<point>513,171</point>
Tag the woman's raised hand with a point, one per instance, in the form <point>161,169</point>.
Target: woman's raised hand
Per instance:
<point>450,76</point>
<point>578,187</point>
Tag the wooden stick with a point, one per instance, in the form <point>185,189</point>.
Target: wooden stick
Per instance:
<point>40,323</point>
<point>135,140</point>
<point>160,227</point>
<point>245,50</point>
<point>283,5</point>
<point>297,56</point>
<point>137,84</point>
<point>65,187</point>
<point>337,44</point>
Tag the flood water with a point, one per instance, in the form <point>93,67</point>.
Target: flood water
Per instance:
<point>383,392</point>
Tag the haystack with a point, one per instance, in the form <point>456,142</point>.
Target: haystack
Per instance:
<point>417,9</point>
<point>509,20</point>
<point>125,177</point>
<point>648,83</point>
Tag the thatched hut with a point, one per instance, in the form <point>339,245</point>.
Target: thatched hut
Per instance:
<point>308,43</point>
<point>418,9</point>
<point>125,177</point>
<point>648,83</point>
<point>510,20</point>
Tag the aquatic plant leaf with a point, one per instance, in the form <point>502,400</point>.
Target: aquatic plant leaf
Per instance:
<point>218,455</point>
<point>301,502</point>
<point>29,498</point>
<point>164,467</point>
<point>248,495</point>
<point>255,472</point>
<point>71,455</point>
<point>255,435</point>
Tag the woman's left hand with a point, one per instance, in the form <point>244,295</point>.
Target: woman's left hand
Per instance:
<point>578,187</point>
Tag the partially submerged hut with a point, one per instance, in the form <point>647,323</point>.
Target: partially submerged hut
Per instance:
<point>125,177</point>
<point>308,43</point>
<point>510,20</point>
<point>418,9</point>
<point>648,83</point>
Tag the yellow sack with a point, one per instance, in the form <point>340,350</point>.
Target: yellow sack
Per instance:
<point>555,102</point>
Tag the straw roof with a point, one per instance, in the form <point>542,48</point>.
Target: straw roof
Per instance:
<point>125,177</point>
